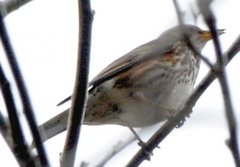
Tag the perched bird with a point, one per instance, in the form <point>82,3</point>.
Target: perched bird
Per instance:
<point>147,85</point>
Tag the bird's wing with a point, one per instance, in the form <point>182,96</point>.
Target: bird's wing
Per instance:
<point>146,51</point>
<point>126,62</point>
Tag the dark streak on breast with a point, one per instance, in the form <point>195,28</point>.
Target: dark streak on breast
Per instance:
<point>115,107</point>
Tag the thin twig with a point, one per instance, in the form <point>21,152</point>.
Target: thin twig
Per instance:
<point>77,110</point>
<point>20,149</point>
<point>229,112</point>
<point>159,136</point>
<point>27,107</point>
<point>8,6</point>
<point>191,43</point>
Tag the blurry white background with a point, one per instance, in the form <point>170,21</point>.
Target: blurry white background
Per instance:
<point>44,35</point>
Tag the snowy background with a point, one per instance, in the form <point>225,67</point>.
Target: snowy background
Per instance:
<point>44,35</point>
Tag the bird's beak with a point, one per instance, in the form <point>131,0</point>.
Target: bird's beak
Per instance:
<point>207,35</point>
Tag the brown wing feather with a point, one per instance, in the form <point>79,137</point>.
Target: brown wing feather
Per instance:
<point>149,50</point>
<point>126,62</point>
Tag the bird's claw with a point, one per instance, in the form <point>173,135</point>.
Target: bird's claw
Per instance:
<point>146,152</point>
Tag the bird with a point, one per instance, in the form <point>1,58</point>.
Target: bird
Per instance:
<point>147,85</point>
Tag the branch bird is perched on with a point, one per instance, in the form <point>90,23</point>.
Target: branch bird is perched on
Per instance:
<point>147,85</point>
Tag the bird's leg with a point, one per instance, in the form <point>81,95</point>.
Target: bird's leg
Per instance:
<point>140,142</point>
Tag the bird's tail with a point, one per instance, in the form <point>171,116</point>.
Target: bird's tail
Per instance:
<point>54,126</point>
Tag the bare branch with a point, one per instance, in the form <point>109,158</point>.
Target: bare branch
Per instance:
<point>210,20</point>
<point>18,145</point>
<point>8,6</point>
<point>77,110</point>
<point>27,107</point>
